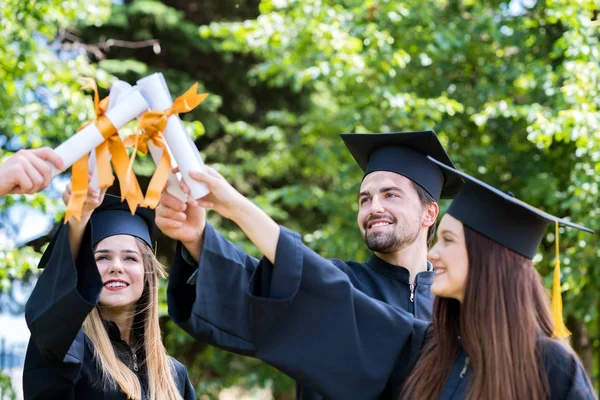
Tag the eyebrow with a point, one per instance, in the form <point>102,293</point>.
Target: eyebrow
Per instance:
<point>105,251</point>
<point>382,190</point>
<point>447,231</point>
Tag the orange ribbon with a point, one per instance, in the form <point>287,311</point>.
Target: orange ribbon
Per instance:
<point>112,145</point>
<point>151,125</point>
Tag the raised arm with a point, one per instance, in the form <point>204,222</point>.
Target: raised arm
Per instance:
<point>63,297</point>
<point>306,317</point>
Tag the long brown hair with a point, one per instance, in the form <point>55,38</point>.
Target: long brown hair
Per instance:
<point>505,309</point>
<point>161,385</point>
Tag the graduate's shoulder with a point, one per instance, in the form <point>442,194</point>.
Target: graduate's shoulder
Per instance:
<point>179,370</point>
<point>553,351</point>
<point>349,267</point>
<point>566,375</point>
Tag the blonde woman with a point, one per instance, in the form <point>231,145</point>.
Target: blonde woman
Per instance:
<point>93,314</point>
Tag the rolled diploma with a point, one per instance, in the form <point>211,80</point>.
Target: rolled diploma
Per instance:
<point>90,137</point>
<point>184,152</point>
<point>117,92</point>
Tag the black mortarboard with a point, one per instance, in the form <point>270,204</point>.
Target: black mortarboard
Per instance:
<point>405,153</point>
<point>113,217</point>
<point>500,216</point>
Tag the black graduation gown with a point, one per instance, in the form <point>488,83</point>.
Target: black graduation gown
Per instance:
<point>59,363</point>
<point>215,310</point>
<point>309,321</point>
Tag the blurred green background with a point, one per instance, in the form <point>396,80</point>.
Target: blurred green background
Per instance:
<point>511,87</point>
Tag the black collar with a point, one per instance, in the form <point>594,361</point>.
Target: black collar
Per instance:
<point>398,272</point>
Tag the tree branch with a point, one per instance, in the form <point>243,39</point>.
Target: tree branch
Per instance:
<point>71,42</point>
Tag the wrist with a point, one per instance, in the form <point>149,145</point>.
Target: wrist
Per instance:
<point>196,242</point>
<point>240,209</point>
<point>81,224</point>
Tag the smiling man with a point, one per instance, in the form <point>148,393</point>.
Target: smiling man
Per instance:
<point>397,214</point>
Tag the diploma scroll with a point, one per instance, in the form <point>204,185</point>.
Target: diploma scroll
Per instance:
<point>119,90</point>
<point>182,149</point>
<point>87,139</point>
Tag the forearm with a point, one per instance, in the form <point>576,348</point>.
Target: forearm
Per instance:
<point>76,231</point>
<point>258,227</point>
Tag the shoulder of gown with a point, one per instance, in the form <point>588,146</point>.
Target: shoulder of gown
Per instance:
<point>566,376</point>
<point>182,380</point>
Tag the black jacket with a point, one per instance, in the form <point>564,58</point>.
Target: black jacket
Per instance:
<point>60,358</point>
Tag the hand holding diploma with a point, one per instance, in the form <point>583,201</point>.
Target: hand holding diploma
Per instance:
<point>178,220</point>
<point>29,171</point>
<point>164,118</point>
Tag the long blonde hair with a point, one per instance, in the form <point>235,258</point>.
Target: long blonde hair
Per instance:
<point>159,366</point>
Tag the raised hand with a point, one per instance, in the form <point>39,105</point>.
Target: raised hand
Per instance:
<point>180,221</point>
<point>77,228</point>
<point>28,171</point>
<point>223,198</point>
<point>93,200</point>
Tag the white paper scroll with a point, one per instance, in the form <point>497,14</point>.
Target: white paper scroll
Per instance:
<point>119,90</point>
<point>183,151</point>
<point>90,137</point>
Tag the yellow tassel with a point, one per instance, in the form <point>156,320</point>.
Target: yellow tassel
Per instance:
<point>560,330</point>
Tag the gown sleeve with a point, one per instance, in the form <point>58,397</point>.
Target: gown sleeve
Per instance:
<point>311,323</point>
<point>61,300</point>
<point>209,300</point>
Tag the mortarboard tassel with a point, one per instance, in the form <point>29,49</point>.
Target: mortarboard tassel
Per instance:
<point>560,329</point>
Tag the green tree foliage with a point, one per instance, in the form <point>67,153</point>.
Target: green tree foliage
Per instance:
<point>512,88</point>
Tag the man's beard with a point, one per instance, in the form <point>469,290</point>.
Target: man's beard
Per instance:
<point>391,241</point>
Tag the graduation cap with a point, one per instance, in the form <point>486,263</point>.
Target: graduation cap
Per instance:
<point>111,218</point>
<point>510,222</point>
<point>405,153</point>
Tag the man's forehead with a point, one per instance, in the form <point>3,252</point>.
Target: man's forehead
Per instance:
<point>379,179</point>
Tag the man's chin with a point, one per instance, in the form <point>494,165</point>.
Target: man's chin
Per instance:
<point>380,246</point>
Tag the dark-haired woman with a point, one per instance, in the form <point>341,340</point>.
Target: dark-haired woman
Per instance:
<point>492,330</point>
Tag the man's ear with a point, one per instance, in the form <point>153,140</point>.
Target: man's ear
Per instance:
<point>430,215</point>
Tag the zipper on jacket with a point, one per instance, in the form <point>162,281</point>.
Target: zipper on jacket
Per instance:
<point>135,363</point>
<point>412,292</point>
<point>464,370</point>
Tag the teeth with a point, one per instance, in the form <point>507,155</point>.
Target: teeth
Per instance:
<point>116,284</point>
<point>378,224</point>
<point>438,272</point>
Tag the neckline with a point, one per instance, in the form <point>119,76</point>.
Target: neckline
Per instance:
<point>399,272</point>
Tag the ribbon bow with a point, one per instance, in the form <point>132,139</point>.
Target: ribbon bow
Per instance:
<point>112,145</point>
<point>151,126</point>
